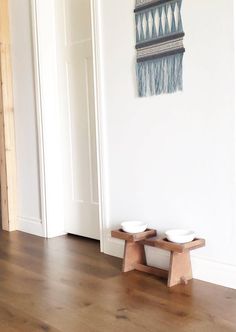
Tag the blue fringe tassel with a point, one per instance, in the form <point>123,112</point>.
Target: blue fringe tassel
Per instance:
<point>161,75</point>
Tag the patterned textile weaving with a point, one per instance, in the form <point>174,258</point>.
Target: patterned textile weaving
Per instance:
<point>159,45</point>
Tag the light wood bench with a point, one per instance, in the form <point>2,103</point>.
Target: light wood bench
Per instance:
<point>180,269</point>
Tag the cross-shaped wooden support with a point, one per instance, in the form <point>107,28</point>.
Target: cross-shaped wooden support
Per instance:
<point>180,270</point>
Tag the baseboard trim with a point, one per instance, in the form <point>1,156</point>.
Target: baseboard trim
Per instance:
<point>31,226</point>
<point>214,272</point>
<point>203,269</point>
<point>56,234</point>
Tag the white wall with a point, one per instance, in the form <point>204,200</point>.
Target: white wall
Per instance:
<point>30,214</point>
<point>171,158</point>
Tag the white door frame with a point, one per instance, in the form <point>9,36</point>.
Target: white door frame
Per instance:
<point>98,114</point>
<point>39,124</point>
<point>98,93</point>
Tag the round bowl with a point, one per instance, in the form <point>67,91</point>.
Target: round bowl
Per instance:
<point>180,235</point>
<point>134,226</point>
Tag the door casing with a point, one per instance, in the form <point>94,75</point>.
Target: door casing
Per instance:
<point>8,172</point>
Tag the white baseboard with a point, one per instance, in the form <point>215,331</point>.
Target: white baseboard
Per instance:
<point>31,226</point>
<point>36,227</point>
<point>203,269</point>
<point>214,272</point>
<point>56,233</point>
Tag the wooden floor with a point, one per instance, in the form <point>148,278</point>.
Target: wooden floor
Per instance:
<point>65,284</point>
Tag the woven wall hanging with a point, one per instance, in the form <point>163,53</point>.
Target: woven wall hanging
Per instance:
<point>159,45</point>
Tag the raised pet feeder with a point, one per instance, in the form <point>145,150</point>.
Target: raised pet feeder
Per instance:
<point>180,270</point>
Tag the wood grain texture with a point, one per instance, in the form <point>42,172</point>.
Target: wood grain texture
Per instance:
<point>66,285</point>
<point>180,270</point>
<point>134,253</point>
<point>7,128</point>
<point>119,234</point>
<point>152,270</point>
<point>175,247</point>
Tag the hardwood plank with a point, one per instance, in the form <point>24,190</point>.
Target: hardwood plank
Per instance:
<point>66,285</point>
<point>177,305</point>
<point>20,321</point>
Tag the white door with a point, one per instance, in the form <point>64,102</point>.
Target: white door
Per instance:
<point>76,84</point>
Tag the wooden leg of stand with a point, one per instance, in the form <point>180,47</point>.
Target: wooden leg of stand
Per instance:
<point>180,268</point>
<point>134,253</point>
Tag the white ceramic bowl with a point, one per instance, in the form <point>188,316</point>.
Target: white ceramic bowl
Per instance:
<point>180,235</point>
<point>134,226</point>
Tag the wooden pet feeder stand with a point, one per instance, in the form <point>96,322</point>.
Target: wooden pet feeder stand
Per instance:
<point>180,269</point>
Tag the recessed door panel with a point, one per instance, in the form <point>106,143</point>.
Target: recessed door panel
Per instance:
<point>77,87</point>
